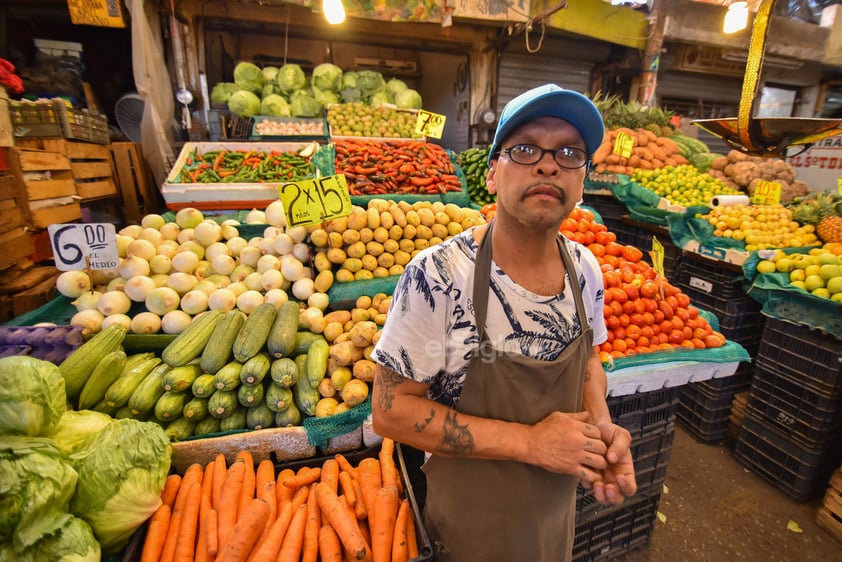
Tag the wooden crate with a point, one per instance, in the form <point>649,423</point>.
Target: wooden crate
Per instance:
<point>90,164</point>
<point>15,220</point>
<point>28,287</point>
<point>48,185</point>
<point>134,181</point>
<point>829,516</point>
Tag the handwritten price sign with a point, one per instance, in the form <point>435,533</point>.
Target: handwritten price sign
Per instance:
<point>623,145</point>
<point>429,124</point>
<point>767,193</point>
<point>84,246</point>
<point>313,201</point>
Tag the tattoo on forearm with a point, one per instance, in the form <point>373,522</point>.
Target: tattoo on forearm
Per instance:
<point>389,380</point>
<point>419,427</point>
<point>588,375</point>
<point>456,439</point>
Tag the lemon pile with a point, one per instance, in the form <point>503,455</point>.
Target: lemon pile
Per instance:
<point>682,185</point>
<point>761,226</point>
<point>818,272</point>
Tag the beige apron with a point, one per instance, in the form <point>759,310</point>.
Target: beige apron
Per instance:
<point>484,511</point>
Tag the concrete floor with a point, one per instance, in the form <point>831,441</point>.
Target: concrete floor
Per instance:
<point>714,509</point>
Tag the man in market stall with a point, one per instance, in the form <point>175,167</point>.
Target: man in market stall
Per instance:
<point>488,359</point>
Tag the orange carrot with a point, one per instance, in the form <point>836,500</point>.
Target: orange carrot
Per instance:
<point>185,549</point>
<point>330,474</point>
<point>300,497</point>
<point>387,503</point>
<point>310,546</point>
<point>264,487</point>
<point>359,504</point>
<point>229,501</point>
<point>156,534</point>
<point>170,490</point>
<point>399,545</point>
<point>370,482</point>
<point>411,537</point>
<point>212,536</point>
<point>346,466</point>
<point>247,489</point>
<point>344,525</point>
<point>220,470</point>
<point>294,539</point>
<point>246,532</point>
<point>347,484</point>
<point>389,472</point>
<point>202,554</point>
<point>268,546</point>
<point>304,477</point>
<point>207,480</point>
<point>191,476</point>
<point>282,492</point>
<point>330,549</point>
<point>366,532</point>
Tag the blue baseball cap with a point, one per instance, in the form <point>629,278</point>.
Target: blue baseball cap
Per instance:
<point>551,100</point>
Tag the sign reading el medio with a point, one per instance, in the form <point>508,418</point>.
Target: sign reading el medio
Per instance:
<point>84,246</point>
<point>820,166</point>
<point>104,13</point>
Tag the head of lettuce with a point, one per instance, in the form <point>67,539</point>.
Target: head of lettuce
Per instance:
<point>32,396</point>
<point>121,476</point>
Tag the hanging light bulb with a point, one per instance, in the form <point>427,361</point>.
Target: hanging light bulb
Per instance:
<point>334,11</point>
<point>736,18</point>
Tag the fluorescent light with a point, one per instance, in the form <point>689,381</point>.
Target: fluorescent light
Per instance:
<point>736,18</point>
<point>334,11</point>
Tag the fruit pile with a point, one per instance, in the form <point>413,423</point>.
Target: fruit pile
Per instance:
<point>358,119</point>
<point>818,272</point>
<point>649,151</point>
<point>474,164</point>
<point>822,210</point>
<point>760,226</point>
<point>682,185</point>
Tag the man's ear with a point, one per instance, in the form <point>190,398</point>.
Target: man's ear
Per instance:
<point>491,178</point>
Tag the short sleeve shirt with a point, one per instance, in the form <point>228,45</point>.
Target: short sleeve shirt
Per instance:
<point>430,333</point>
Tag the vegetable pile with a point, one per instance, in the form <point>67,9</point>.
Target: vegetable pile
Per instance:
<point>241,511</point>
<point>474,164</point>
<point>245,166</point>
<point>374,167</point>
<point>357,119</point>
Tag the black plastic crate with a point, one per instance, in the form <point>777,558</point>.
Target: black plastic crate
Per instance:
<point>801,353</point>
<point>651,458</point>
<point>607,535</point>
<point>793,408</point>
<point>739,381</point>
<point>611,210</point>
<point>800,472</point>
<point>740,318</point>
<point>645,413</point>
<point>704,412</point>
<point>711,277</point>
<point>643,235</point>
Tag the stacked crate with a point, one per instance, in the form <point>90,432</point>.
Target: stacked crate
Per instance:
<point>829,516</point>
<point>48,182</point>
<point>717,287</point>
<point>791,434</point>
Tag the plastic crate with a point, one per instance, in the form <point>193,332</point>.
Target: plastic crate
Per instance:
<point>707,276</point>
<point>612,210</point>
<point>794,408</point>
<point>645,413</point>
<point>740,318</point>
<point>34,120</point>
<point>604,536</point>
<point>705,413</point>
<point>739,381</point>
<point>799,471</point>
<point>799,352</point>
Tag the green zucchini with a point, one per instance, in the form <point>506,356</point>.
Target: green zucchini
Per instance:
<point>281,339</point>
<point>284,372</point>
<point>142,401</point>
<point>104,374</point>
<point>118,394</point>
<point>196,409</point>
<point>103,408</point>
<point>170,404</point>
<point>179,379</point>
<point>223,403</point>
<point>255,369</point>
<point>249,395</point>
<point>303,341</point>
<point>260,417</point>
<point>228,377</point>
<point>277,398</point>
<point>203,386</point>
<point>180,429</point>
<point>219,349</point>
<point>79,365</point>
<point>252,336</point>
<point>289,417</point>
<point>306,397</point>
<point>237,420</point>
<point>206,426</point>
<point>123,413</point>
<point>316,364</point>
<point>190,343</point>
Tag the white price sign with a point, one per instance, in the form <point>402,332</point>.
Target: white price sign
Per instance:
<point>84,246</point>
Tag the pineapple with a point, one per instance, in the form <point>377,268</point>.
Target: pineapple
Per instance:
<point>830,229</point>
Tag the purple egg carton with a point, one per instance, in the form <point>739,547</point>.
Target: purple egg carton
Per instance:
<point>50,343</point>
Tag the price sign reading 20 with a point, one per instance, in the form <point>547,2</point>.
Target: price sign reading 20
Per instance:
<point>313,201</point>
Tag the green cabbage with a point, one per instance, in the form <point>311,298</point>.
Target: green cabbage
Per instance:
<point>395,86</point>
<point>408,99</point>
<point>350,94</point>
<point>270,73</point>
<point>291,78</point>
<point>32,396</point>
<point>122,472</point>
<point>274,105</point>
<point>305,106</point>
<point>248,76</point>
<point>324,97</point>
<point>74,542</point>
<point>36,487</point>
<point>270,88</point>
<point>381,98</point>
<point>222,91</point>
<point>370,82</point>
<point>349,79</point>
<point>74,428</point>
<point>244,103</point>
<point>327,76</point>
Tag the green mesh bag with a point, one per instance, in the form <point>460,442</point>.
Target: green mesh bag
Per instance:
<point>321,430</point>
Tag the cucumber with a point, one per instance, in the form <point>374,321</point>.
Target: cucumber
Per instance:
<point>223,403</point>
<point>105,373</point>
<point>252,336</point>
<point>179,379</point>
<point>249,395</point>
<point>228,377</point>
<point>190,343</point>
<point>103,408</point>
<point>289,417</point>
<point>142,401</point>
<point>284,372</point>
<point>255,369</point>
<point>303,341</point>
<point>118,394</point>
<point>79,365</point>
<point>170,404</point>
<point>206,426</point>
<point>237,420</point>
<point>260,417</point>
<point>277,398</point>
<point>306,397</point>
<point>219,349</point>
<point>203,386</point>
<point>281,339</point>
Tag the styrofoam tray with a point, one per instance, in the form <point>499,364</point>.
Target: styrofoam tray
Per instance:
<point>645,378</point>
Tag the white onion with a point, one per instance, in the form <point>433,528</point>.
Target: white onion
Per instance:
<point>301,251</point>
<point>216,249</point>
<point>249,301</point>
<point>205,286</point>
<point>219,280</point>
<point>160,264</point>
<point>123,244</point>
<point>319,300</point>
<point>131,230</point>
<point>185,262</point>
<point>223,264</point>
<point>256,217</point>
<point>87,300</point>
<point>133,265</point>
<point>275,214</point>
<point>271,279</point>
<point>193,246</point>
<point>89,320</point>
<point>122,319</point>
<point>161,300</point>
<point>303,288</point>
<point>168,248</point>
<point>137,288</point>
<point>160,279</point>
<point>240,272</point>
<point>170,231</point>
<point>253,281</point>
<point>292,268</point>
<point>222,299</point>
<point>195,301</point>
<point>174,321</point>
<point>268,262</point>
<point>207,232</point>
<point>298,233</point>
<point>141,248</point>
<point>277,297</point>
<point>266,246</point>
<point>152,220</point>
<point>184,235</point>
<point>271,231</point>
<point>238,288</point>
<point>235,245</point>
<point>203,269</point>
<point>229,231</point>
<point>256,241</point>
<point>283,244</point>
<point>152,235</point>
<point>102,276</point>
<point>116,284</point>
<point>72,284</point>
<point>181,282</point>
<point>188,217</point>
<point>249,255</point>
<point>146,323</point>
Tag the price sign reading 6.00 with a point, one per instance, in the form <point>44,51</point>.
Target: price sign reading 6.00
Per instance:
<point>313,201</point>
<point>83,246</point>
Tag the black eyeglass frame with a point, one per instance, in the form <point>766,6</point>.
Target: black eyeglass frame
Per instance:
<point>554,152</point>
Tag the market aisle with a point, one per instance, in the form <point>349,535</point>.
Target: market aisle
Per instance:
<point>717,510</point>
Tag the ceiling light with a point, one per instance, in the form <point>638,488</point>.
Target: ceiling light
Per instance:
<point>334,11</point>
<point>736,18</point>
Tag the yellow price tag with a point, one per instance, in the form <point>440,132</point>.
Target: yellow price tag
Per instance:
<point>312,201</point>
<point>767,193</point>
<point>429,124</point>
<point>839,185</point>
<point>657,255</point>
<point>624,145</point>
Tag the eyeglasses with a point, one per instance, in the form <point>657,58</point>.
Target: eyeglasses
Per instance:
<point>567,156</point>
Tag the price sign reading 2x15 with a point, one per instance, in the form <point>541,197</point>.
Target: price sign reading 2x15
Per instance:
<point>82,246</point>
<point>313,201</point>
